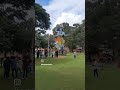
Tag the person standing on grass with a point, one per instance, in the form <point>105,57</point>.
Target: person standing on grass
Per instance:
<point>57,53</point>
<point>6,65</point>
<point>19,65</point>
<point>75,54</point>
<point>46,53</point>
<point>95,68</point>
<point>43,56</point>
<point>1,58</point>
<point>1,61</point>
<point>25,67</point>
<point>38,53</point>
<point>14,66</point>
<point>53,53</point>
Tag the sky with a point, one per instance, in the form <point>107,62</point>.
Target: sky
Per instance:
<point>70,11</point>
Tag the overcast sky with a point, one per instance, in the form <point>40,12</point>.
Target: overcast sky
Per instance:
<point>70,11</point>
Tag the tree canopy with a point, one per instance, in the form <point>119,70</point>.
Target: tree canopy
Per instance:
<point>16,31</point>
<point>102,24</point>
<point>43,24</point>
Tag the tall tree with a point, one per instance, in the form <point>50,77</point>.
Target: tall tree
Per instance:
<point>13,14</point>
<point>42,23</point>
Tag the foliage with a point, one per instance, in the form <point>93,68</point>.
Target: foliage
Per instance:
<point>43,23</point>
<point>42,17</point>
<point>102,24</point>
<point>15,30</point>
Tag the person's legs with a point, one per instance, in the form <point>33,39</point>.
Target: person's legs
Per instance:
<point>0,63</point>
<point>20,72</point>
<point>40,56</point>
<point>23,73</point>
<point>4,73</point>
<point>74,56</point>
<point>26,73</point>
<point>16,72</point>
<point>13,72</point>
<point>37,55</point>
<point>96,72</point>
<point>8,73</point>
<point>30,67</point>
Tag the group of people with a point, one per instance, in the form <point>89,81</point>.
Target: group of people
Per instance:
<point>42,53</point>
<point>19,67</point>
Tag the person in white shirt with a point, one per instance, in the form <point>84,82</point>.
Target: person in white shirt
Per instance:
<point>75,54</point>
<point>43,56</point>
<point>53,53</point>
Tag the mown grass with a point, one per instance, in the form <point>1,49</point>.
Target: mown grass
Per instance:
<point>66,73</point>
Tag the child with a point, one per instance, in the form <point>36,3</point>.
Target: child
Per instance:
<point>74,54</point>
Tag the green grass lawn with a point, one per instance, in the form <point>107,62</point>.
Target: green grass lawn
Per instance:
<point>109,78</point>
<point>66,73</point>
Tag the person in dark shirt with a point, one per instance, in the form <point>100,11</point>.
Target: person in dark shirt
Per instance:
<point>57,53</point>
<point>6,65</point>
<point>1,61</point>
<point>46,53</point>
<point>95,68</point>
<point>14,66</point>
<point>19,66</point>
<point>38,54</point>
<point>25,67</point>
